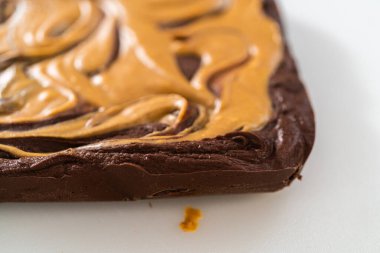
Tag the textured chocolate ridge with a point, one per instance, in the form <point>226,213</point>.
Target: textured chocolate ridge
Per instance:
<point>264,160</point>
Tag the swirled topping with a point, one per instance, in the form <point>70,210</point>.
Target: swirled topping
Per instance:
<point>199,68</point>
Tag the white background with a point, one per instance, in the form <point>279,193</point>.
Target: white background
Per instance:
<point>336,207</point>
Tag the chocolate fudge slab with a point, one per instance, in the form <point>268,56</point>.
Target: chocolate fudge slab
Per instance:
<point>76,143</point>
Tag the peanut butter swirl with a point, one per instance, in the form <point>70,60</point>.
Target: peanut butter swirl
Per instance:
<point>119,57</point>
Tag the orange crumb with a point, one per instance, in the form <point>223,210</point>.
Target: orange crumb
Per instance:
<point>192,217</point>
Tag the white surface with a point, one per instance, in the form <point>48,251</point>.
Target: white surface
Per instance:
<point>336,207</point>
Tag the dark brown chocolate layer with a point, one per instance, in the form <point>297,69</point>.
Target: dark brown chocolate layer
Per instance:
<point>265,160</point>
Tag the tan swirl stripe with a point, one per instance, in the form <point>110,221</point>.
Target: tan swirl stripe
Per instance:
<point>120,57</point>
